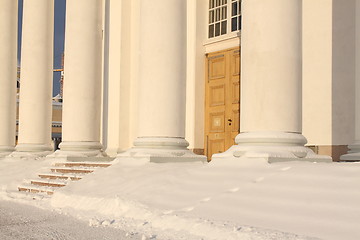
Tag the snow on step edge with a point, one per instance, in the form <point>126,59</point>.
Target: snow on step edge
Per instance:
<point>60,176</point>
<point>70,170</point>
<point>83,164</point>
<point>36,189</point>
<point>48,183</point>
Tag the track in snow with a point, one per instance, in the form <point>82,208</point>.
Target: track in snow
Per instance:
<point>20,222</point>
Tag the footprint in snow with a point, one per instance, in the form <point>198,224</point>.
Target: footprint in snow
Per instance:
<point>107,222</point>
<point>260,179</point>
<point>285,168</point>
<point>168,212</point>
<point>233,190</point>
<point>205,199</point>
<point>188,209</point>
<point>143,237</point>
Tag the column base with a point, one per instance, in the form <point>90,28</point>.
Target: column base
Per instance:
<point>272,146</point>
<point>24,150</point>
<point>161,150</point>
<point>353,154</point>
<point>351,157</point>
<point>80,151</point>
<point>6,150</point>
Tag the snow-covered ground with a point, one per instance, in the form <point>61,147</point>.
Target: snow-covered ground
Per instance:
<point>221,200</point>
<point>23,222</point>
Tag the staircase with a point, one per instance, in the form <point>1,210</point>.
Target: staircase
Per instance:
<point>60,175</point>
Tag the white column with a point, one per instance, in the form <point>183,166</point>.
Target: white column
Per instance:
<point>354,152</point>
<point>162,80</point>
<point>82,79</point>
<point>8,71</point>
<point>271,84</point>
<point>36,78</point>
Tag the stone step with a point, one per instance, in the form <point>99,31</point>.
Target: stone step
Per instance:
<point>48,183</point>
<point>36,189</point>
<point>60,176</point>
<point>70,170</point>
<point>83,164</point>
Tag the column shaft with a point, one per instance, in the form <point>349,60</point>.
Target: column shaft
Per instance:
<point>82,78</point>
<point>271,66</point>
<point>354,152</point>
<point>271,83</point>
<point>36,77</point>
<point>162,80</point>
<point>8,70</point>
<point>162,68</point>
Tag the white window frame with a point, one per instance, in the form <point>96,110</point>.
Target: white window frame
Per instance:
<point>230,17</point>
<point>229,33</point>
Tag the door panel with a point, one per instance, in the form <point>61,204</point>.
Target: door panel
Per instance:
<point>222,100</point>
<point>217,122</point>
<point>216,143</point>
<point>217,95</point>
<point>217,68</point>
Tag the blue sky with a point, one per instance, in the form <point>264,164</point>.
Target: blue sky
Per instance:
<point>59,29</point>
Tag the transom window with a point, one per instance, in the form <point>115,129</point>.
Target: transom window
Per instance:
<point>235,15</point>
<point>224,17</point>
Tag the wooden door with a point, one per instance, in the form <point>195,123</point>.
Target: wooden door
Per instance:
<point>222,100</point>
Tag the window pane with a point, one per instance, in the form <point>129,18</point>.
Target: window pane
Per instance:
<point>211,3</point>
<point>234,9</point>
<point>217,29</point>
<point>223,15</point>
<point>239,23</point>
<point>217,14</point>
<point>239,7</point>
<point>234,24</point>
<point>217,3</point>
<point>211,31</point>
<point>223,27</point>
<point>211,16</point>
